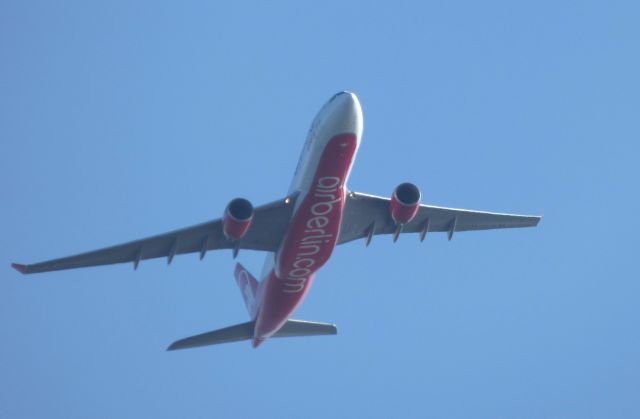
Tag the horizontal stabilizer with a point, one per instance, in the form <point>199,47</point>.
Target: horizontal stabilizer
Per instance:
<point>235,333</point>
<point>304,328</point>
<point>244,331</point>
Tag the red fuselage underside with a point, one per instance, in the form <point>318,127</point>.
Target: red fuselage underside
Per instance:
<point>310,240</point>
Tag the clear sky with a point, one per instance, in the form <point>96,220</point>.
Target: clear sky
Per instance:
<point>120,120</point>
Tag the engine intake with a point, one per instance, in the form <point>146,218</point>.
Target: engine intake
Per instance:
<point>237,219</point>
<point>405,203</point>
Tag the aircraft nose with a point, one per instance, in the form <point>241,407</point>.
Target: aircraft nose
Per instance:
<point>346,113</point>
<point>344,101</point>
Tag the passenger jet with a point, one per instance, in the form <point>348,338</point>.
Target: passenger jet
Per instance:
<point>298,232</point>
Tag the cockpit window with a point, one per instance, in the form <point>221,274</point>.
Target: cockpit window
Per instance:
<point>335,96</point>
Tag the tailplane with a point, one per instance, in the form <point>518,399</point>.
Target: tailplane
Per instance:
<point>244,331</point>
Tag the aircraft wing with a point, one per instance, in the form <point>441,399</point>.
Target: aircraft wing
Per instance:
<point>369,215</point>
<point>269,225</point>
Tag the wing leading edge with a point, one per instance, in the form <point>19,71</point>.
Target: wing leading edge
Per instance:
<point>266,233</point>
<point>368,215</point>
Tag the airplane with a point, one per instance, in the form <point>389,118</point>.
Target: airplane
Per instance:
<point>298,232</point>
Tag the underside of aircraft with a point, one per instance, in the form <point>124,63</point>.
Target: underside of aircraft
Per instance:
<point>298,231</point>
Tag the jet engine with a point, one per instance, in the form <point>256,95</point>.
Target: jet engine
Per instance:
<point>405,203</point>
<point>237,219</point>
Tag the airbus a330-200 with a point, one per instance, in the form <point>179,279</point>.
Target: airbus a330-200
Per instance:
<point>298,232</point>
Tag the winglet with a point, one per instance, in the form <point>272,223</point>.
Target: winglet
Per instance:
<point>19,267</point>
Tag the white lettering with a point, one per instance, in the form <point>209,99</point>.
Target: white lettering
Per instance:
<point>315,234</point>
<point>299,272</point>
<point>321,182</point>
<point>296,284</point>
<point>328,205</point>
<point>315,250</point>
<point>298,263</point>
<point>319,231</point>
<point>325,195</point>
<point>317,222</point>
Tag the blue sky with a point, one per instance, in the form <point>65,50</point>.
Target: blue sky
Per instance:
<point>120,120</point>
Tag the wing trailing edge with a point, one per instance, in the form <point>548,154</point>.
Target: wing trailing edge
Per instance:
<point>367,215</point>
<point>269,226</point>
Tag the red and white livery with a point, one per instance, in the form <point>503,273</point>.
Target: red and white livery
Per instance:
<point>298,232</point>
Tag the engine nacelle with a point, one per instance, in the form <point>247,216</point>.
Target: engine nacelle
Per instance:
<point>237,219</point>
<point>405,203</point>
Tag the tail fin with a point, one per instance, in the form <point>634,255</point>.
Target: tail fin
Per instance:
<point>244,331</point>
<point>248,287</point>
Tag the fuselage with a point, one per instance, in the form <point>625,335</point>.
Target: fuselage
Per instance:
<point>319,185</point>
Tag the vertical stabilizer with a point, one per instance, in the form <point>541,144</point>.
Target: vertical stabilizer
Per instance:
<point>248,287</point>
